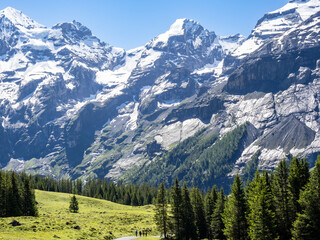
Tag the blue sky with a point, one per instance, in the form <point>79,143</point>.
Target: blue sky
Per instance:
<point>132,23</point>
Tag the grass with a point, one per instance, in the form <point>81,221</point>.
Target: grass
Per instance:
<point>98,219</point>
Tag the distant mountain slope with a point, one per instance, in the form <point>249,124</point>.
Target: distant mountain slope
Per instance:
<point>73,106</point>
<point>200,160</point>
<point>61,86</point>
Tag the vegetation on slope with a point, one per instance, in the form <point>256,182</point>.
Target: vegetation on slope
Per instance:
<point>128,194</point>
<point>277,205</point>
<point>97,219</point>
<point>16,196</point>
<point>200,160</point>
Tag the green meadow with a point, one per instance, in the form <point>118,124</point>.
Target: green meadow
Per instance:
<point>97,219</point>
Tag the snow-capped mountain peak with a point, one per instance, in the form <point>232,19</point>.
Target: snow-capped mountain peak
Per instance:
<point>185,25</point>
<point>74,31</point>
<point>73,27</point>
<point>305,8</point>
<point>277,22</point>
<point>19,19</point>
<point>188,28</point>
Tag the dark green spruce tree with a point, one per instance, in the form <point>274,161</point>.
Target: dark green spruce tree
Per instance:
<point>74,206</point>
<point>189,230</point>
<point>176,208</point>
<point>298,178</point>
<point>14,198</point>
<point>161,211</point>
<point>262,218</point>
<point>283,206</point>
<point>209,202</point>
<point>217,225</point>
<point>234,216</point>
<point>29,202</point>
<point>3,194</point>
<point>134,200</point>
<point>199,212</point>
<point>307,225</point>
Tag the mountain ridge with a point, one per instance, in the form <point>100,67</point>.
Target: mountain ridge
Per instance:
<point>73,106</point>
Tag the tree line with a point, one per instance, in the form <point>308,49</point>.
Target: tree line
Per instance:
<point>284,204</point>
<point>17,197</point>
<point>128,194</point>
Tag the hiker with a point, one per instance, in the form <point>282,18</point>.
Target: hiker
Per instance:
<point>140,233</point>
<point>136,233</point>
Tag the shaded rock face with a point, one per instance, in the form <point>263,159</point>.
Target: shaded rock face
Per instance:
<point>80,132</point>
<point>271,73</point>
<point>202,108</point>
<point>288,134</point>
<point>5,147</point>
<point>270,68</point>
<point>153,148</point>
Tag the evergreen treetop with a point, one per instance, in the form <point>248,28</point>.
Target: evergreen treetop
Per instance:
<point>74,206</point>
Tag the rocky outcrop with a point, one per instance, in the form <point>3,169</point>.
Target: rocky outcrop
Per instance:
<point>202,108</point>
<point>290,133</point>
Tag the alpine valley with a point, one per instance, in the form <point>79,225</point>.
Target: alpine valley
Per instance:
<point>187,104</point>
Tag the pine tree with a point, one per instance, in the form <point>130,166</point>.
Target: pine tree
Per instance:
<point>77,188</point>
<point>307,224</point>
<point>74,206</point>
<point>177,209</point>
<point>261,219</point>
<point>3,194</point>
<point>127,198</point>
<point>29,202</point>
<point>283,207</point>
<point>234,216</point>
<point>298,178</point>
<point>199,212</point>
<point>189,230</point>
<point>209,207</point>
<point>214,194</point>
<point>161,211</point>
<point>14,198</point>
<point>134,200</point>
<point>217,225</point>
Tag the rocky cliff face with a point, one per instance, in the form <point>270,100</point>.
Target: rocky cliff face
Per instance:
<point>64,92</point>
<point>74,106</point>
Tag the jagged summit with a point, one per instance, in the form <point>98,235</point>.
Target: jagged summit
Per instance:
<point>277,22</point>
<point>19,19</point>
<point>73,26</point>
<point>187,28</point>
<point>73,30</point>
<point>184,25</point>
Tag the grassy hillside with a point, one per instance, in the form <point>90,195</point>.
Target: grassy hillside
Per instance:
<point>96,218</point>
